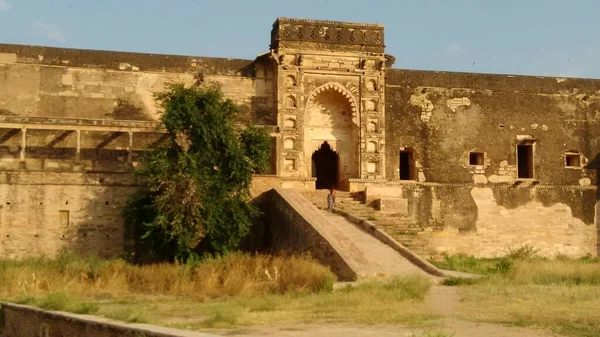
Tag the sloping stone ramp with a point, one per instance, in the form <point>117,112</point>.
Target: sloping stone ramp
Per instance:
<point>367,252</point>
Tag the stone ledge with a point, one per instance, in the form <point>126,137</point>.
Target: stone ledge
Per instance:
<point>392,183</point>
<point>26,321</point>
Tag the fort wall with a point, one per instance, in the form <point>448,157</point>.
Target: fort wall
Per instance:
<point>46,213</point>
<point>480,162</point>
<point>44,81</point>
<point>443,117</point>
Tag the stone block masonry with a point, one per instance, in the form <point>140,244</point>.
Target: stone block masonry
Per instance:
<point>24,321</point>
<point>338,116</point>
<point>294,225</point>
<point>487,221</point>
<point>46,213</point>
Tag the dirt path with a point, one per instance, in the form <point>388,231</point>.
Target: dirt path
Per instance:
<point>445,300</point>
<point>441,300</point>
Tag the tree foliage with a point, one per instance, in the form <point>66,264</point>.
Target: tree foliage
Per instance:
<point>197,187</point>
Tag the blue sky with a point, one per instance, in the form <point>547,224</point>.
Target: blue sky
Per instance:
<point>534,37</point>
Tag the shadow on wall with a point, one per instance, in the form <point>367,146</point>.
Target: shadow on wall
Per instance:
<point>96,227</point>
<point>594,164</point>
<point>125,110</point>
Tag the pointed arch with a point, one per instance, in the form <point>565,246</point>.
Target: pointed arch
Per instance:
<point>337,87</point>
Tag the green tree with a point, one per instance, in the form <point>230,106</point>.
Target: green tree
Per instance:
<point>196,194</point>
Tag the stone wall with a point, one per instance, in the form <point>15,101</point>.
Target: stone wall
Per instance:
<point>44,81</point>
<point>44,213</point>
<point>441,117</point>
<point>264,183</point>
<point>486,221</point>
<point>24,321</point>
<point>289,226</point>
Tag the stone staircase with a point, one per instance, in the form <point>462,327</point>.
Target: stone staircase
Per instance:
<point>352,252</point>
<point>399,226</point>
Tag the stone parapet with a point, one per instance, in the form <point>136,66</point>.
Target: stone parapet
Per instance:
<point>26,321</point>
<point>288,32</point>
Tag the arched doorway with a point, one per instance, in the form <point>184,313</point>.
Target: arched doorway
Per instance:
<point>331,115</point>
<point>325,167</point>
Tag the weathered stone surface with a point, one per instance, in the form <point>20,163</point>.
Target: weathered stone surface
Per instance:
<point>25,321</point>
<point>68,114</point>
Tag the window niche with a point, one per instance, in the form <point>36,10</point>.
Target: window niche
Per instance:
<point>289,164</point>
<point>64,218</point>
<point>525,155</point>
<point>289,123</point>
<point>476,158</point>
<point>290,101</point>
<point>290,81</point>
<point>406,164</point>
<point>573,159</point>
<point>289,143</point>
<point>371,146</point>
<point>372,126</point>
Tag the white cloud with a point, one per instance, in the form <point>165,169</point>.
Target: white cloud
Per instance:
<point>454,48</point>
<point>50,31</point>
<point>4,6</point>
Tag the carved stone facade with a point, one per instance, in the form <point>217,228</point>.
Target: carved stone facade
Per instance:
<point>477,161</point>
<point>330,89</point>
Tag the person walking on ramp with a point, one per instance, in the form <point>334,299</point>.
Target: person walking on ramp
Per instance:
<point>331,200</point>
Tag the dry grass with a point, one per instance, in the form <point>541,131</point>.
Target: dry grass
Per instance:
<point>560,294</point>
<point>397,301</point>
<point>233,275</point>
<point>567,310</point>
<point>235,290</point>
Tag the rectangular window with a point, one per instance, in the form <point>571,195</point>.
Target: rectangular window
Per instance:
<point>525,161</point>
<point>63,218</point>
<point>573,159</point>
<point>406,165</point>
<point>476,158</point>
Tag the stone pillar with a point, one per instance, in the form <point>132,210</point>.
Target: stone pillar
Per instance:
<point>23,146</point>
<point>78,151</point>
<point>130,148</point>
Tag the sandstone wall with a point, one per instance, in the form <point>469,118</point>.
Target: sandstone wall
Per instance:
<point>289,226</point>
<point>43,81</point>
<point>24,321</point>
<point>443,116</point>
<point>488,221</point>
<point>44,213</point>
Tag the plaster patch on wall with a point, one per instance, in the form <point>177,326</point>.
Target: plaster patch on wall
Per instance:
<point>567,107</point>
<point>67,79</point>
<point>8,58</point>
<point>552,230</point>
<point>560,79</point>
<point>421,101</point>
<point>454,103</point>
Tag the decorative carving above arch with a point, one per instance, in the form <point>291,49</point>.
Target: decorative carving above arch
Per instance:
<point>340,89</point>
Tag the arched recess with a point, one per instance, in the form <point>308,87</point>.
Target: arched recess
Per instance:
<point>331,115</point>
<point>341,90</point>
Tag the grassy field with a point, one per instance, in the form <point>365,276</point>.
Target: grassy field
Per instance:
<point>236,290</point>
<point>559,294</point>
<point>240,290</point>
